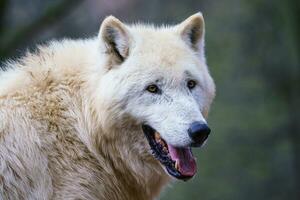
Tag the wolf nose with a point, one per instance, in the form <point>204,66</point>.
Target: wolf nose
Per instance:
<point>198,132</point>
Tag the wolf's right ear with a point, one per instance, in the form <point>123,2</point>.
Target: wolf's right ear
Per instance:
<point>116,39</point>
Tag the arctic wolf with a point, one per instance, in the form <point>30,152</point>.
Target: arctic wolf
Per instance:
<point>112,117</point>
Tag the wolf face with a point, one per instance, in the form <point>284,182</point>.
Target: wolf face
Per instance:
<point>159,78</point>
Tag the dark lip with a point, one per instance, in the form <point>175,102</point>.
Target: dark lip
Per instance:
<point>161,156</point>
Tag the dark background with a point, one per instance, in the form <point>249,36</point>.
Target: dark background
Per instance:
<point>253,52</point>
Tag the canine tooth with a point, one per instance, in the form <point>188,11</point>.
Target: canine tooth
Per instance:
<point>165,149</point>
<point>156,136</point>
<point>176,165</point>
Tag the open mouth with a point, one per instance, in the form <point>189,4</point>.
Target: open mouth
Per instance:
<point>178,161</point>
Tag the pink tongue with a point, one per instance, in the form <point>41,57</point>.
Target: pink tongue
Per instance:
<point>186,161</point>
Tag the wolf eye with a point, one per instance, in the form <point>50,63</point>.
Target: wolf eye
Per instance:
<point>191,84</point>
<point>152,88</point>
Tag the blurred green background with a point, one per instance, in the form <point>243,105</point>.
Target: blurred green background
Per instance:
<point>253,51</point>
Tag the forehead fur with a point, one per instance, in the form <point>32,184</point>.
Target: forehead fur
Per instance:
<point>160,45</point>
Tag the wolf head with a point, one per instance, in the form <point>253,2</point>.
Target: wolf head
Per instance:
<point>158,78</point>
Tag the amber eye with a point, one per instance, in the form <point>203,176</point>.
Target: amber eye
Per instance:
<point>152,88</point>
<point>191,84</point>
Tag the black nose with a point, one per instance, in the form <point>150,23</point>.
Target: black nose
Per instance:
<point>198,132</point>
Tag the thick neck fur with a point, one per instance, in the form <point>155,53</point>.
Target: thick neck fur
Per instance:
<point>122,154</point>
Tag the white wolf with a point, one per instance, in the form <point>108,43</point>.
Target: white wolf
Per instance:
<point>112,117</point>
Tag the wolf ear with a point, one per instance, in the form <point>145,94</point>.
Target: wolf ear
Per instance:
<point>115,36</point>
<point>191,31</point>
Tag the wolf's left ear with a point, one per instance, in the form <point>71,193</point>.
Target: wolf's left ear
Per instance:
<point>191,31</point>
<point>115,36</point>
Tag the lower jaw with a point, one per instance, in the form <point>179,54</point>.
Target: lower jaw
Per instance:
<point>178,176</point>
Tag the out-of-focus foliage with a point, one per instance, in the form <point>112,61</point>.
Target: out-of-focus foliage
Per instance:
<point>253,52</point>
